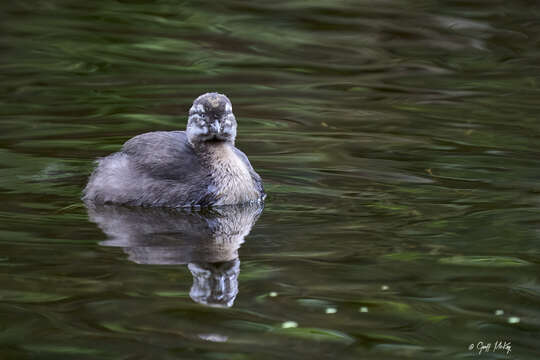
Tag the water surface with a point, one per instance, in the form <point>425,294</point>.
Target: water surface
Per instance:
<point>399,143</point>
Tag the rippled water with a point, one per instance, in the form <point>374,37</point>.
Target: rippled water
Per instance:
<point>399,143</point>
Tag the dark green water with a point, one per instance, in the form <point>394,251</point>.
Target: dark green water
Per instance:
<point>399,142</point>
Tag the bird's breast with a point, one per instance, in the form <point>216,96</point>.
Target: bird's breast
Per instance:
<point>231,177</point>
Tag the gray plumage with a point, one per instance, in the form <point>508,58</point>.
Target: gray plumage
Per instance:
<point>197,167</point>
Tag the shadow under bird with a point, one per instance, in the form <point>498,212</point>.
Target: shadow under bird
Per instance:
<point>198,167</point>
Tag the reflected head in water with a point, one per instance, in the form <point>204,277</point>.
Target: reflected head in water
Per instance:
<point>215,283</point>
<point>207,241</point>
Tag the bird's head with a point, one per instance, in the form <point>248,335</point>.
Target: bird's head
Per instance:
<point>211,120</point>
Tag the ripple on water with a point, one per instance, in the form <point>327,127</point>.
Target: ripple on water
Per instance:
<point>400,161</point>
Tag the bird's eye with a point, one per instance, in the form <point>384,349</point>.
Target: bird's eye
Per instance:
<point>196,110</point>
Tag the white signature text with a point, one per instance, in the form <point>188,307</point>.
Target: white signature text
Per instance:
<point>498,346</point>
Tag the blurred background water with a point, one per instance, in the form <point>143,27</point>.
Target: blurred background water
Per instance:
<point>399,142</point>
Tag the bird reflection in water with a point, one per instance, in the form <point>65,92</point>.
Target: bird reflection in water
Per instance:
<point>207,241</point>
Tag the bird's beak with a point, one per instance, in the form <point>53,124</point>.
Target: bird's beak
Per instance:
<point>216,127</point>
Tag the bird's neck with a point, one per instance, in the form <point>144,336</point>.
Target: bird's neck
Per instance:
<point>209,150</point>
<point>229,173</point>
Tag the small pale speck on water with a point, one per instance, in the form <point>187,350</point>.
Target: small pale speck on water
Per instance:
<point>364,309</point>
<point>289,324</point>
<point>384,287</point>
<point>272,294</point>
<point>331,310</point>
<point>514,320</point>
<point>499,312</point>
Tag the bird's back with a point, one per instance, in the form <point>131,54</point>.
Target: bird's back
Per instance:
<point>153,169</point>
<point>165,155</point>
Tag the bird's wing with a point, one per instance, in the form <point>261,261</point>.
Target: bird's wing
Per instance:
<point>164,155</point>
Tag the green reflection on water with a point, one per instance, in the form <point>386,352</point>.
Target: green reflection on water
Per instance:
<point>401,161</point>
